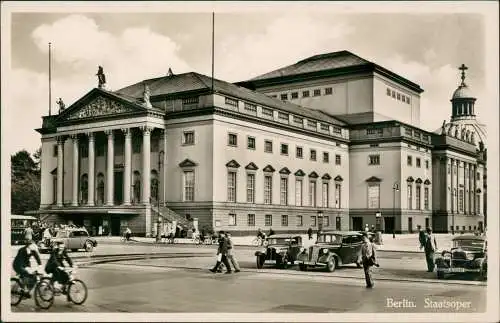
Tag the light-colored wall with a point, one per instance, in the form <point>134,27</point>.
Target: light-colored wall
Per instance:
<point>392,107</point>
<point>48,163</point>
<point>415,172</point>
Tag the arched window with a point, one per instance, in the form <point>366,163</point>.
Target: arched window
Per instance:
<point>100,189</point>
<point>137,187</point>
<point>84,189</point>
<point>154,185</point>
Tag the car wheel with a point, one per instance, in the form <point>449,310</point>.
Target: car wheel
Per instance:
<point>89,246</point>
<point>302,267</point>
<point>440,274</point>
<point>330,266</point>
<point>260,262</point>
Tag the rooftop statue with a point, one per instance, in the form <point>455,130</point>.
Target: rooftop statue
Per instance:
<point>101,77</point>
<point>147,95</point>
<point>61,105</point>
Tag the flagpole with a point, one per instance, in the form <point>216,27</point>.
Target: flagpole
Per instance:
<point>50,79</point>
<point>213,32</point>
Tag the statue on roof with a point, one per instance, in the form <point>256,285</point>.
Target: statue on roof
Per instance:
<point>481,146</point>
<point>146,96</point>
<point>456,131</point>
<point>467,135</point>
<point>443,128</point>
<point>61,105</point>
<point>170,73</point>
<point>473,137</point>
<point>101,77</point>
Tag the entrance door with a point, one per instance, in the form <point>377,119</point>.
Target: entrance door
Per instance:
<point>426,223</point>
<point>357,223</point>
<point>389,224</point>
<point>118,187</point>
<point>115,225</point>
<point>410,225</point>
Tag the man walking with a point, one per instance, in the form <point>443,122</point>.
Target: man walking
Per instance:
<point>421,236</point>
<point>230,253</point>
<point>222,254</point>
<point>430,246</point>
<point>369,259</point>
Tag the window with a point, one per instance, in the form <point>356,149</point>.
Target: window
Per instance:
<point>426,164</point>
<point>232,219</point>
<point>426,198</point>
<point>268,146</point>
<point>298,192</point>
<point>403,98</point>
<point>284,191</point>
<point>250,107</point>
<point>313,154</point>
<point>55,151</point>
<point>373,196</point>
<point>251,220</point>
<point>337,130</point>
<point>268,189</point>
<point>284,220</point>
<point>188,138</point>
<point>251,142</point>
<point>410,196</point>
<point>461,200</point>
<point>194,100</point>
<point>284,149</point>
<point>305,94</point>
<point>326,157</point>
<point>232,139</point>
<point>251,188</point>
<point>313,221</point>
<point>388,92</point>
<point>155,146</point>
<point>324,127</point>
<point>283,117</point>
<point>417,162</point>
<point>295,95</point>
<point>312,124</point>
<point>188,185</point>
<point>408,100</point>
<point>317,92</point>
<point>338,192</point>
<point>268,220</point>
<point>326,221</point>
<point>299,220</point>
<point>325,192</point>
<point>409,160</point>
<point>298,152</point>
<point>284,96</point>
<point>312,193</point>
<point>298,121</point>
<point>84,189</point>
<point>231,186</point>
<point>328,91</point>
<point>337,160</point>
<point>478,205</point>
<point>417,197</point>
<point>231,102</point>
<point>268,113</point>
<point>393,94</point>
<point>374,160</point>
<point>398,96</point>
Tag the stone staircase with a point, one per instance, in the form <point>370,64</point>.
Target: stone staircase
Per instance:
<point>170,216</point>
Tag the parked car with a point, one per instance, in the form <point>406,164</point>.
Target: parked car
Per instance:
<point>468,255</point>
<point>332,250</point>
<point>74,239</point>
<point>282,250</point>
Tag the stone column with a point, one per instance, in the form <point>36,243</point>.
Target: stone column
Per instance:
<point>161,175</point>
<point>127,176</point>
<point>91,188</point>
<point>74,201</point>
<point>452,185</point>
<point>109,169</point>
<point>146,164</point>
<point>474,171</point>
<point>60,172</point>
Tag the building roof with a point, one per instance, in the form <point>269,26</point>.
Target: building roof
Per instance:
<point>463,92</point>
<point>192,81</point>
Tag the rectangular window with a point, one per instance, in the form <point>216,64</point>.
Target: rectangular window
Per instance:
<point>426,198</point>
<point>426,164</point>
<point>188,138</point>
<point>298,192</point>
<point>317,92</point>
<point>408,100</point>
<point>409,160</point>
<point>337,160</point>
<point>251,142</point>
<point>328,91</point>
<point>284,220</point>
<point>284,96</point>
<point>268,220</point>
<point>284,149</point>
<point>295,95</point>
<point>417,162</point>
<point>55,151</point>
<point>231,102</point>
<point>268,146</point>
<point>393,94</point>
<point>284,191</point>
<point>374,160</point>
<point>231,186</point>
<point>403,98</point>
<point>373,196</point>
<point>418,190</point>
<point>410,196</point>
<point>251,220</point>
<point>388,92</point>
<point>337,130</point>
<point>232,139</point>
<point>338,194</point>
<point>298,152</point>
<point>461,200</point>
<point>326,221</point>
<point>283,117</point>
<point>251,188</point>
<point>312,193</point>
<point>326,157</point>
<point>298,121</point>
<point>268,113</point>
<point>252,108</point>
<point>324,127</point>
<point>298,220</point>
<point>232,219</point>
<point>305,94</point>
<point>398,96</point>
<point>268,189</point>
<point>188,186</point>
<point>313,221</point>
<point>313,154</point>
<point>311,124</point>
<point>325,194</point>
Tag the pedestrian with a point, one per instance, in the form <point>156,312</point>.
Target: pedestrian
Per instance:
<point>310,233</point>
<point>372,229</point>
<point>367,229</point>
<point>222,254</point>
<point>421,236</point>
<point>28,234</point>
<point>369,259</point>
<point>430,248</point>
<point>230,253</point>
<point>128,233</point>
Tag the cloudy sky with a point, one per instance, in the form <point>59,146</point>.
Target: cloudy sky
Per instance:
<point>425,47</point>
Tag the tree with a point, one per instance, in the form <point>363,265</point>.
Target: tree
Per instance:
<point>25,181</point>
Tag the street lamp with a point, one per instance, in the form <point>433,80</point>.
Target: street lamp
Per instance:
<point>395,188</point>
<point>160,162</point>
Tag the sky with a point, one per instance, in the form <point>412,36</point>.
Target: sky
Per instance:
<point>424,47</point>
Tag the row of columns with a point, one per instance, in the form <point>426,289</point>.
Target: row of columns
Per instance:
<point>146,167</point>
<point>469,184</point>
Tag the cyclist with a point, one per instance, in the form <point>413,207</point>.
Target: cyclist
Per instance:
<point>128,234</point>
<point>55,264</point>
<point>22,261</point>
<point>261,234</point>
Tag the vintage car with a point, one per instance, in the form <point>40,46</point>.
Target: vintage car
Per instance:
<point>332,250</point>
<point>73,238</point>
<point>282,250</point>
<point>468,255</point>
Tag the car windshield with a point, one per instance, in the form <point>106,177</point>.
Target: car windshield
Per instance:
<point>282,241</point>
<point>62,234</point>
<point>468,243</point>
<point>330,238</point>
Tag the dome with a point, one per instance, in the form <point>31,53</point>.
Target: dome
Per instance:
<point>472,126</point>
<point>462,92</point>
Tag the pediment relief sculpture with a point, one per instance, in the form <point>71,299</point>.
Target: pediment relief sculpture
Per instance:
<point>99,107</point>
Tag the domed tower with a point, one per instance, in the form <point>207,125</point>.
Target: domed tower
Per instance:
<point>463,100</point>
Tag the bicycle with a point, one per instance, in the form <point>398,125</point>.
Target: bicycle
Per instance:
<point>43,291</point>
<point>258,241</point>
<point>75,289</point>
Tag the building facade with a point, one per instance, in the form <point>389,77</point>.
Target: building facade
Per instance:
<point>335,144</point>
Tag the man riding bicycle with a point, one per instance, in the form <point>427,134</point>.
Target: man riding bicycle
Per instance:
<point>55,264</point>
<point>22,261</point>
<point>261,234</point>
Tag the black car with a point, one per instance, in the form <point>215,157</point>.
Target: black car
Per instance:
<point>332,250</point>
<point>468,255</point>
<point>282,250</point>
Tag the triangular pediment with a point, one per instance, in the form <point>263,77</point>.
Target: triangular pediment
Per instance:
<point>251,166</point>
<point>268,169</point>
<point>187,163</point>
<point>418,181</point>
<point>313,175</point>
<point>410,179</point>
<point>427,182</point>
<point>374,179</point>
<point>285,171</point>
<point>326,177</point>
<point>54,171</point>
<point>300,172</point>
<point>233,164</point>
<point>338,178</point>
